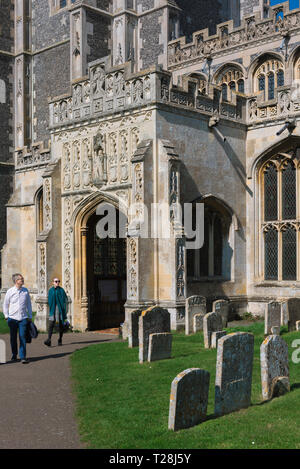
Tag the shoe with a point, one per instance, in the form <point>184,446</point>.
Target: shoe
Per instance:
<point>25,360</point>
<point>48,343</point>
<point>14,359</point>
<point>59,342</point>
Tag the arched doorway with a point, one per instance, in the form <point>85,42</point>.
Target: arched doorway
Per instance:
<point>106,278</point>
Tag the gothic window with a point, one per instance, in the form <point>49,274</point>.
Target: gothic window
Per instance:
<point>271,85</point>
<point>230,79</point>
<point>268,77</point>
<point>241,86</point>
<point>213,260</point>
<point>224,92</point>
<point>280,225</point>
<point>57,5</point>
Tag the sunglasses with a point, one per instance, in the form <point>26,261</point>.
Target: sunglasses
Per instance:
<point>56,281</point>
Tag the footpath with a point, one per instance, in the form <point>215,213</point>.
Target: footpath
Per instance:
<point>37,407</point>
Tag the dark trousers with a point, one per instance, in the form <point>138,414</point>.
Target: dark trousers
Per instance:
<point>51,327</point>
<point>14,325</point>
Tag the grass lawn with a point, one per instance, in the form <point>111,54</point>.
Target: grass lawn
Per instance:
<point>123,404</point>
<point>4,329</point>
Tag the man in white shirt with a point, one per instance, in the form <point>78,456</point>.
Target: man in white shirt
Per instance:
<point>17,311</point>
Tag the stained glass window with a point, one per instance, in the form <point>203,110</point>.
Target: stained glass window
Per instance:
<point>271,254</point>
<point>270,180</point>
<point>289,192</point>
<point>224,92</point>
<point>241,86</point>
<point>261,83</point>
<point>280,78</point>
<point>289,250</point>
<point>271,86</point>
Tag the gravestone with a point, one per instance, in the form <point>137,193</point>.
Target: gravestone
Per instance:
<point>275,330</point>
<point>297,325</point>
<point>160,346</point>
<point>293,312</point>
<point>198,323</point>
<point>152,321</point>
<point>272,316</point>
<point>234,372</point>
<point>188,399</point>
<point>133,328</point>
<point>193,305</point>
<point>2,351</point>
<point>284,313</point>
<point>212,322</point>
<point>215,336</point>
<point>274,362</point>
<point>222,307</point>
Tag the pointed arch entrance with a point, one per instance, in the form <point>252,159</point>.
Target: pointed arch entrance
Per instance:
<point>100,290</point>
<point>106,278</point>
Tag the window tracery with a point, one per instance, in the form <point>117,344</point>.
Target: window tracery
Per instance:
<point>280,226</point>
<point>232,79</point>
<point>268,77</point>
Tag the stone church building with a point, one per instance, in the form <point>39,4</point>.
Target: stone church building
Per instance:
<point>140,102</point>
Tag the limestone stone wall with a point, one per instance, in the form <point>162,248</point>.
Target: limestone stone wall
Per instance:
<point>211,167</point>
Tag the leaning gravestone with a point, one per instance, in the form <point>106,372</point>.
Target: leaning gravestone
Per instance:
<point>2,351</point>
<point>234,372</point>
<point>215,336</point>
<point>293,312</point>
<point>272,316</point>
<point>188,399</point>
<point>274,362</point>
<point>133,328</point>
<point>212,322</point>
<point>151,321</point>
<point>160,346</point>
<point>222,307</point>
<point>193,305</point>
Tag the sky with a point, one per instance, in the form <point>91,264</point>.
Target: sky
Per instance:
<point>293,3</point>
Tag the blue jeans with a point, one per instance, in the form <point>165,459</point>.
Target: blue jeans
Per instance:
<point>14,326</point>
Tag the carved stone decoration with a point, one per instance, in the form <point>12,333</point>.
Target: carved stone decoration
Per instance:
<point>124,171</point>
<point>42,280</point>
<point>138,94</point>
<point>132,289</point>
<point>67,245</point>
<point>99,160</point>
<point>66,173</point>
<point>76,165</point>
<point>86,163</point>
<point>180,268</point>
<point>98,80</point>
<point>113,159</point>
<point>47,204</point>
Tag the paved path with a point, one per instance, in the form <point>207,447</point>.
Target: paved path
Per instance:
<point>36,401</point>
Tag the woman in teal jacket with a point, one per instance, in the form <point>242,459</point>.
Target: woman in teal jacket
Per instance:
<point>58,308</point>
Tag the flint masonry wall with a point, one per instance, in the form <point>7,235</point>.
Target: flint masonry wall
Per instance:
<point>6,110</point>
<point>98,35</point>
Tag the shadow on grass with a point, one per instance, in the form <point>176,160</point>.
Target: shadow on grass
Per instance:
<point>295,386</point>
<point>91,342</point>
